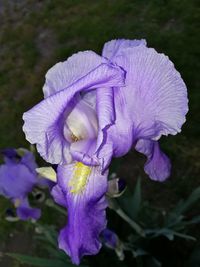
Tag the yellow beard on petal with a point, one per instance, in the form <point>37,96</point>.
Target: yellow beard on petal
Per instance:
<point>79,178</point>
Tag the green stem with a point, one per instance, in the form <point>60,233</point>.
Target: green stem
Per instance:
<point>51,204</point>
<point>113,205</point>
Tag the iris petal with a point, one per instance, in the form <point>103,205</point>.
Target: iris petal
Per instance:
<point>44,122</point>
<point>158,165</point>
<point>153,102</point>
<point>16,180</point>
<point>25,212</point>
<point>29,161</point>
<point>83,151</point>
<point>58,195</point>
<point>63,74</point>
<point>155,94</point>
<point>114,47</point>
<point>84,189</point>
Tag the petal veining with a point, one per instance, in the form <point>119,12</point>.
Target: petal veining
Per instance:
<point>86,206</point>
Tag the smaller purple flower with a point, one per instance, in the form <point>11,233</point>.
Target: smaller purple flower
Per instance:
<point>17,179</point>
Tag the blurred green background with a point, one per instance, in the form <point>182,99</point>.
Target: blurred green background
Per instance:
<point>34,35</point>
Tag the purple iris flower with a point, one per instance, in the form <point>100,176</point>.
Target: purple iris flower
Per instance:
<point>99,107</point>
<point>17,179</point>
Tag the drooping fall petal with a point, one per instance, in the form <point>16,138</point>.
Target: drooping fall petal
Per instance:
<point>158,165</point>
<point>84,190</point>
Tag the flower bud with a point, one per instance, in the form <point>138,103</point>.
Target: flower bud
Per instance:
<point>111,240</point>
<point>116,187</point>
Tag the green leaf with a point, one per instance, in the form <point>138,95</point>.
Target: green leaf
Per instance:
<point>183,206</point>
<point>49,234</point>
<point>139,252</point>
<point>36,261</point>
<point>50,203</point>
<point>136,199</point>
<point>131,203</point>
<point>176,215</point>
<point>113,204</point>
<point>194,220</point>
<point>153,262</point>
<point>194,260</point>
<point>168,233</point>
<point>187,237</point>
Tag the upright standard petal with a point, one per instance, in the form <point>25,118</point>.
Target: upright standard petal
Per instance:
<point>105,111</point>
<point>114,47</point>
<point>64,74</point>
<point>117,135</point>
<point>155,94</point>
<point>158,165</point>
<point>84,189</point>
<point>116,126</point>
<point>153,102</point>
<point>44,123</point>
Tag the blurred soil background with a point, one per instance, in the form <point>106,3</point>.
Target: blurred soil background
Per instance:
<point>34,35</point>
